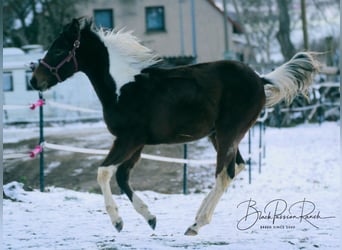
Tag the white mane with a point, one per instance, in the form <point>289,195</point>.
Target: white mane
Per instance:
<point>127,57</point>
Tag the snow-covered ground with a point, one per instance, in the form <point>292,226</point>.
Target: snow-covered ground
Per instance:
<point>302,164</point>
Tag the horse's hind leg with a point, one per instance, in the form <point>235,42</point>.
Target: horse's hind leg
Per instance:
<point>122,177</point>
<point>206,210</point>
<point>226,158</point>
<point>120,152</point>
<point>239,160</point>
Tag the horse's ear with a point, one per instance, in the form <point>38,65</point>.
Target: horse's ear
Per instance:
<point>72,29</point>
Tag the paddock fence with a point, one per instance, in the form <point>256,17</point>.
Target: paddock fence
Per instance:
<point>43,144</point>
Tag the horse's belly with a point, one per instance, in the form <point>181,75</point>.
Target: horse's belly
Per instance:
<point>181,128</point>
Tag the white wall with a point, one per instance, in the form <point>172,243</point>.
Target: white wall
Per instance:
<point>76,91</point>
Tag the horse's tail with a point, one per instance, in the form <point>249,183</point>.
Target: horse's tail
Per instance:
<point>290,79</point>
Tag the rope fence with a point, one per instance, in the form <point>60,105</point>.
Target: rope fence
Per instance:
<point>143,156</point>
<point>72,108</point>
<point>39,149</point>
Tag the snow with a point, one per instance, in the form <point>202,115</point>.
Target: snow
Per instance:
<point>302,163</point>
<point>12,134</point>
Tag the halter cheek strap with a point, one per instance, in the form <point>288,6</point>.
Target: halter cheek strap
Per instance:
<point>72,55</point>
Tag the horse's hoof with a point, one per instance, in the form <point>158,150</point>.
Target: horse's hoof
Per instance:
<point>190,232</point>
<point>152,222</point>
<point>119,225</point>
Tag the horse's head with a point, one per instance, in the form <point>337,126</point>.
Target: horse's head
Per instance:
<point>60,61</point>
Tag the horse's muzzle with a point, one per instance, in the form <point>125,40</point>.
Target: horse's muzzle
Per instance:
<point>33,83</point>
<point>40,87</point>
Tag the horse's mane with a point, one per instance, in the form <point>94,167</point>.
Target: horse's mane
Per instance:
<point>127,55</point>
<point>129,46</point>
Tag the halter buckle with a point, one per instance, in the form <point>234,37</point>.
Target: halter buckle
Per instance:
<point>76,44</point>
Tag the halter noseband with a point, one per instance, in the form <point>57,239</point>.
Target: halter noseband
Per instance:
<point>72,55</point>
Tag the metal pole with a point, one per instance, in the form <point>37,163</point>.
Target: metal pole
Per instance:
<point>193,21</point>
<point>227,53</point>
<point>260,145</point>
<point>249,157</point>
<point>226,42</point>
<point>264,144</point>
<point>185,170</point>
<point>41,140</point>
<point>181,26</point>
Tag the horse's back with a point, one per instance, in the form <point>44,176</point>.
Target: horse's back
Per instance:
<point>185,103</point>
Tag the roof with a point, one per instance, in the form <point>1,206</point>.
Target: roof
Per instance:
<point>12,51</point>
<point>15,58</point>
<point>237,26</point>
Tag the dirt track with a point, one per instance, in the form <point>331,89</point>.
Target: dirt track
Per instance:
<point>78,171</point>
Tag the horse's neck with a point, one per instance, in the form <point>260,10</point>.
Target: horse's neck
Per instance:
<point>105,88</point>
<point>95,64</point>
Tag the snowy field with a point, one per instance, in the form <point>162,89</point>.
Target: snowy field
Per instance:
<point>302,170</point>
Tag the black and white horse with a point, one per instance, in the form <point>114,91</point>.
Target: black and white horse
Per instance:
<point>144,105</point>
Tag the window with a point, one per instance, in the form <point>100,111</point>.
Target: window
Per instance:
<point>155,20</point>
<point>28,77</point>
<point>104,18</point>
<point>7,82</point>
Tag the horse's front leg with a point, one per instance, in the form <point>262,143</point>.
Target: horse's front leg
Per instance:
<point>104,175</point>
<point>122,177</point>
<point>120,152</point>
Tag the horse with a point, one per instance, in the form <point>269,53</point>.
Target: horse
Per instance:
<point>144,103</point>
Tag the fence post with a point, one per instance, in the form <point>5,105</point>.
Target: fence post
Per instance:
<point>249,157</point>
<point>185,170</point>
<point>41,140</point>
<point>264,144</point>
<point>260,145</point>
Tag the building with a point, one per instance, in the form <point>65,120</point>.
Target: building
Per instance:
<point>166,26</point>
<point>18,94</point>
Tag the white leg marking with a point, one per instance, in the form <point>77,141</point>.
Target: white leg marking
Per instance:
<point>141,208</point>
<point>209,203</point>
<point>104,174</point>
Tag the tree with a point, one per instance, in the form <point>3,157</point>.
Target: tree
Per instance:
<point>35,21</point>
<point>304,26</point>
<point>283,35</point>
<point>259,19</point>
<point>16,27</point>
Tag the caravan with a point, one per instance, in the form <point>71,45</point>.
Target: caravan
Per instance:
<point>18,93</point>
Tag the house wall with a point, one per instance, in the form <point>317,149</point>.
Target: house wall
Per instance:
<point>209,25</point>
<point>77,91</point>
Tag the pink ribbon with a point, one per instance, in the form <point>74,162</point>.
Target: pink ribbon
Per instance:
<point>37,150</point>
<point>39,103</point>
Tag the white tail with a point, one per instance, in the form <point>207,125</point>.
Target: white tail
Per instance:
<point>290,79</point>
